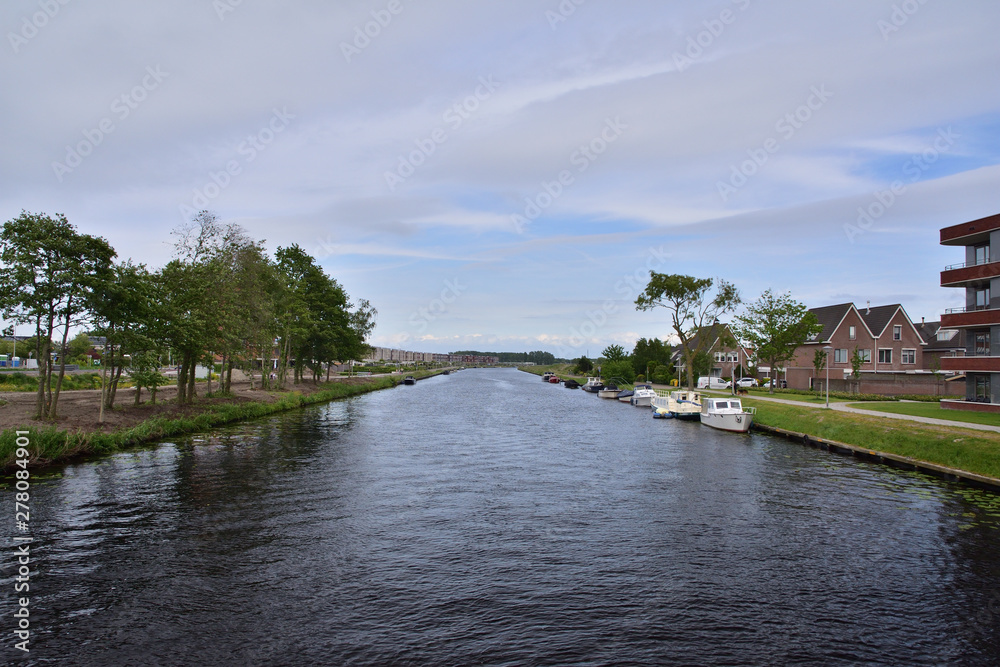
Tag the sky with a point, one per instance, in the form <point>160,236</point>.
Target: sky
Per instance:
<point>502,176</point>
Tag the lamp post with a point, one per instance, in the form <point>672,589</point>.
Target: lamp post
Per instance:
<point>826,350</point>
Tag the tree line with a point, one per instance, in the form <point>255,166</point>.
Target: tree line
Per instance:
<point>221,296</point>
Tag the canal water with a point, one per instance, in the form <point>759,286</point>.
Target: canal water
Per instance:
<point>488,518</point>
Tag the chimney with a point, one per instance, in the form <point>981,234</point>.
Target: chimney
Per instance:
<point>868,310</point>
<point>923,320</point>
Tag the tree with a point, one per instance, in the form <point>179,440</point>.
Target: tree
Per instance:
<point>775,326</point>
<point>614,353</point>
<point>691,309</point>
<point>583,365</point>
<point>619,370</point>
<point>78,346</point>
<point>856,362</point>
<point>648,354</point>
<point>819,362</point>
<point>48,274</point>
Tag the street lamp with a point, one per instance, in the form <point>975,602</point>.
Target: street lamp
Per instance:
<point>826,350</point>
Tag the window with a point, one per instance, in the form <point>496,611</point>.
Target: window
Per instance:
<point>866,356</point>
<point>983,298</point>
<point>982,343</point>
<point>720,357</point>
<point>983,388</point>
<point>897,332</point>
<point>909,357</point>
<point>982,254</point>
<point>840,356</point>
<point>885,356</point>
<point>946,334</point>
<point>852,333</point>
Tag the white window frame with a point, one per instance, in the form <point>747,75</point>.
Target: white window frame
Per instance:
<point>897,332</point>
<point>852,332</point>
<point>840,356</point>
<point>887,350</point>
<point>866,356</point>
<point>913,355</point>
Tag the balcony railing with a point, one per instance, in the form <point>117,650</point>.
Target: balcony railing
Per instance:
<point>968,264</point>
<point>967,309</point>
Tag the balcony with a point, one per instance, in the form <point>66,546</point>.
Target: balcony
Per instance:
<point>971,364</point>
<point>962,318</point>
<point>969,233</point>
<point>957,275</point>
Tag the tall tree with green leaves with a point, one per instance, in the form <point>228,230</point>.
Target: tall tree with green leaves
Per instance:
<point>692,309</point>
<point>775,325</point>
<point>614,353</point>
<point>47,273</point>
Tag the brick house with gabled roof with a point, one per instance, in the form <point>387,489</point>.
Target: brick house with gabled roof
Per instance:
<point>724,358</point>
<point>885,337</point>
<point>941,343</point>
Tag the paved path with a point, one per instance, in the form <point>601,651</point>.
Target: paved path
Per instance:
<point>841,407</point>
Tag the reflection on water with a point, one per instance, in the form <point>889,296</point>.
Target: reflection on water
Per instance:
<point>486,517</point>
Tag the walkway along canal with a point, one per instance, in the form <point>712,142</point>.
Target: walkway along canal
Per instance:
<point>487,517</point>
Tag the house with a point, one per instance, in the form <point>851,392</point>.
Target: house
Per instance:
<point>941,343</point>
<point>726,358</point>
<point>979,319</point>
<point>890,347</point>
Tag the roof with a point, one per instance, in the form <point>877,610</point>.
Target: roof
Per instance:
<point>877,318</point>
<point>830,317</point>
<point>929,330</point>
<point>713,332</point>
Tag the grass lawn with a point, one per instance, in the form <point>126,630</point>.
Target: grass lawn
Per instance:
<point>799,398</point>
<point>930,410</point>
<point>952,446</point>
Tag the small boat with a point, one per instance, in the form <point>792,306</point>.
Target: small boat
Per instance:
<point>608,391</point>
<point>547,376</point>
<point>446,373</point>
<point>727,414</point>
<point>409,379</point>
<point>625,395</point>
<point>571,384</point>
<point>661,413</point>
<point>554,380</point>
<point>643,396</point>
<point>593,385</point>
<point>682,404</point>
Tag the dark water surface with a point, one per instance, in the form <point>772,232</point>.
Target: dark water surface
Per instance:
<point>488,518</point>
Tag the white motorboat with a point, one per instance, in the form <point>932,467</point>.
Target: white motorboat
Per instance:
<point>608,391</point>
<point>642,396</point>
<point>727,414</point>
<point>681,403</point>
<point>593,385</point>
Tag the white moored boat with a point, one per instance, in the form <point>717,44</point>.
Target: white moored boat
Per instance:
<point>593,385</point>
<point>643,396</point>
<point>608,391</point>
<point>680,404</point>
<point>727,414</point>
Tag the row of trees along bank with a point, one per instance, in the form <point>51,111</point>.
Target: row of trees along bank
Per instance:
<point>221,295</point>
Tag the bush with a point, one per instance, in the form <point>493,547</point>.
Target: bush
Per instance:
<point>618,370</point>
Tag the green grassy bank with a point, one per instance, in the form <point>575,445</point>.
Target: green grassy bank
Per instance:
<point>955,447</point>
<point>933,411</point>
<point>51,444</point>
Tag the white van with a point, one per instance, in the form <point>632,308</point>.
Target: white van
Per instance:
<point>705,382</point>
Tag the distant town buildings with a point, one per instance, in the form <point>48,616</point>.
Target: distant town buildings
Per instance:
<point>385,354</point>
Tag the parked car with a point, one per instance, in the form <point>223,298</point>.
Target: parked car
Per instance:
<point>743,383</point>
<point>705,382</point>
<point>781,384</point>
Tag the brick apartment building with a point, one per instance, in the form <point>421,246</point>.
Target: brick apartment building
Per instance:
<point>979,319</point>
